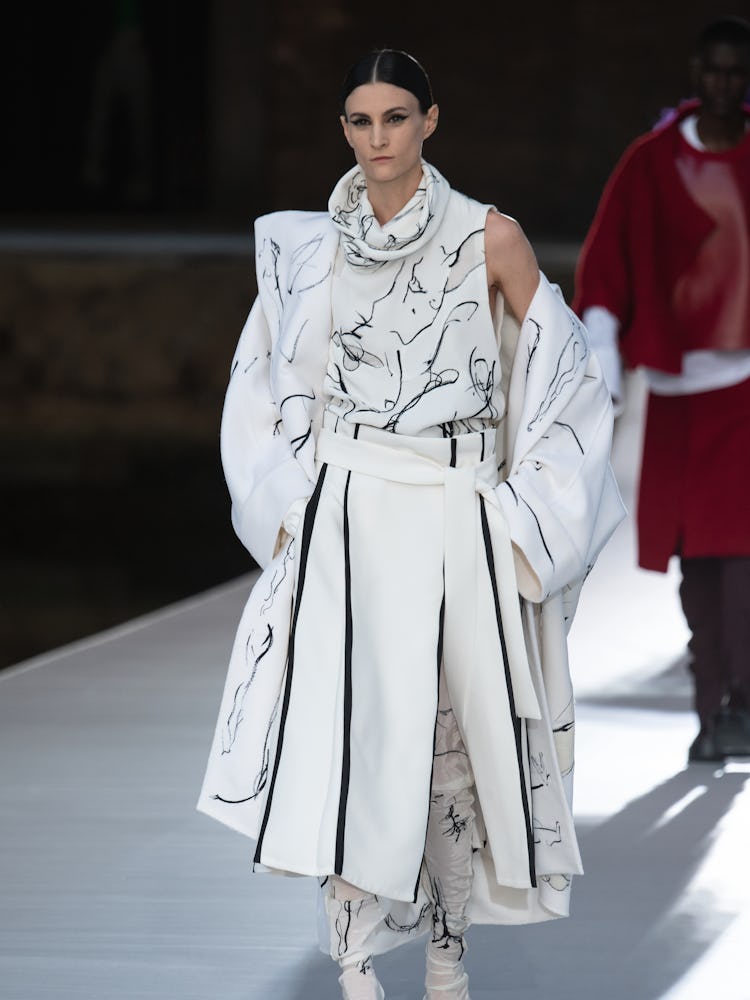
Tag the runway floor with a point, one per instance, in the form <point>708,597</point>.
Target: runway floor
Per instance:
<point>112,886</point>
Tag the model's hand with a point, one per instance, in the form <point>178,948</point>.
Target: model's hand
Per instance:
<point>290,524</point>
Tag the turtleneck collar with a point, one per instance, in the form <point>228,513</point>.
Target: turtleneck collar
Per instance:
<point>364,241</point>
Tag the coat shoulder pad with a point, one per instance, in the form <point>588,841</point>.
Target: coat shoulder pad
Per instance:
<point>290,223</point>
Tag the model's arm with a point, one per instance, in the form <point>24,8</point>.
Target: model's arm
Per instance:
<point>512,267</point>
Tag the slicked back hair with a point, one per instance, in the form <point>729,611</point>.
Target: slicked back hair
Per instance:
<point>389,66</point>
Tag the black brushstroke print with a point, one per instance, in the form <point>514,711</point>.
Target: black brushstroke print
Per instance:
<point>568,427</point>
<point>415,313</point>
<point>534,345</point>
<point>260,779</point>
<point>301,259</point>
<point>291,356</point>
<point>540,774</point>
<point>551,835</point>
<point>393,925</point>
<point>568,364</point>
<point>455,824</point>
<point>236,714</point>
<point>560,883</point>
<point>441,935</point>
<point>539,529</point>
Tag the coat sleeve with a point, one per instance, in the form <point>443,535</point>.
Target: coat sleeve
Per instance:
<point>262,474</point>
<point>603,272</point>
<point>560,497</point>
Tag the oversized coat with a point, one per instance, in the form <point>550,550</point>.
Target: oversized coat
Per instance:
<point>558,503</point>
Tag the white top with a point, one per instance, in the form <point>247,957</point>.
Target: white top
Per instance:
<point>413,348</point>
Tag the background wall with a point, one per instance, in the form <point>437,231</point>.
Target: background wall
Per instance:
<point>140,141</point>
<point>216,111</point>
<point>537,100</point>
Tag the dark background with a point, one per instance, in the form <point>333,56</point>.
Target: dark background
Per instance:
<point>139,142</point>
<point>239,112</point>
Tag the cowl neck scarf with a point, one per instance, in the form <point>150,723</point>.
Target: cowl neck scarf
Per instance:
<point>364,241</point>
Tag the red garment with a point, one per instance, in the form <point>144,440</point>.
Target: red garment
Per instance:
<point>694,493</point>
<point>643,245</point>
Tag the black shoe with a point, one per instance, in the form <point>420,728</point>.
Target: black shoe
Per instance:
<point>705,748</point>
<point>732,732</point>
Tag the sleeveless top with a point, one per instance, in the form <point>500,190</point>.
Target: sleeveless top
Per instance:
<point>413,347</point>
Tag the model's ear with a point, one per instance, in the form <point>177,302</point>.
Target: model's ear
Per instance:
<point>345,126</point>
<point>431,120</point>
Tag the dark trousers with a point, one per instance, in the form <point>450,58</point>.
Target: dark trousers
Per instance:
<point>715,595</point>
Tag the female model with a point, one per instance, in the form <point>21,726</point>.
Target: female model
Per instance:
<point>416,441</point>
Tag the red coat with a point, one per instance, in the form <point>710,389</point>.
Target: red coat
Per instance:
<point>646,232</point>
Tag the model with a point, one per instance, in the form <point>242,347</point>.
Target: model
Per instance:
<point>662,282</point>
<point>416,441</point>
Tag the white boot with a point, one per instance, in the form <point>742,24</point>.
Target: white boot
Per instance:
<point>359,982</point>
<point>353,915</point>
<point>445,977</point>
<point>448,856</point>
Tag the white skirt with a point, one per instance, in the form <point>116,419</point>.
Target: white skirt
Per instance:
<point>402,563</point>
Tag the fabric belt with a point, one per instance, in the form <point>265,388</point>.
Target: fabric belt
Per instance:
<point>422,462</point>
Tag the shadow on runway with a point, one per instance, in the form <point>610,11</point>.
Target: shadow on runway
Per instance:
<point>642,916</point>
<point>667,690</point>
<point>637,925</point>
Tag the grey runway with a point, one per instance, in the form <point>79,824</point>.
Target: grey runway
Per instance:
<point>112,886</point>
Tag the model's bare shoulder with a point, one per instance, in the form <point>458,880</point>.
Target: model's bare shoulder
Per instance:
<point>504,235</point>
<point>511,262</point>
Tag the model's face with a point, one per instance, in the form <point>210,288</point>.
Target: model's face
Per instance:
<point>386,128</point>
<point>722,79</point>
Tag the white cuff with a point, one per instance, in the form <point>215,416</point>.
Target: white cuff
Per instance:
<point>603,328</point>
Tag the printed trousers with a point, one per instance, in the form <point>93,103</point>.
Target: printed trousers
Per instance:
<point>354,915</point>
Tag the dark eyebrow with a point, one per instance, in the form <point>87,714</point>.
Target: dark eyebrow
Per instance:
<point>364,114</point>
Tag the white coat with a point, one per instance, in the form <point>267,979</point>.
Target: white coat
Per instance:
<point>557,498</point>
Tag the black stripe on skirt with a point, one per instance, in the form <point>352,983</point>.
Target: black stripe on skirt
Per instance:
<point>441,631</point>
<point>346,749</point>
<point>307,528</point>
<point>516,721</point>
